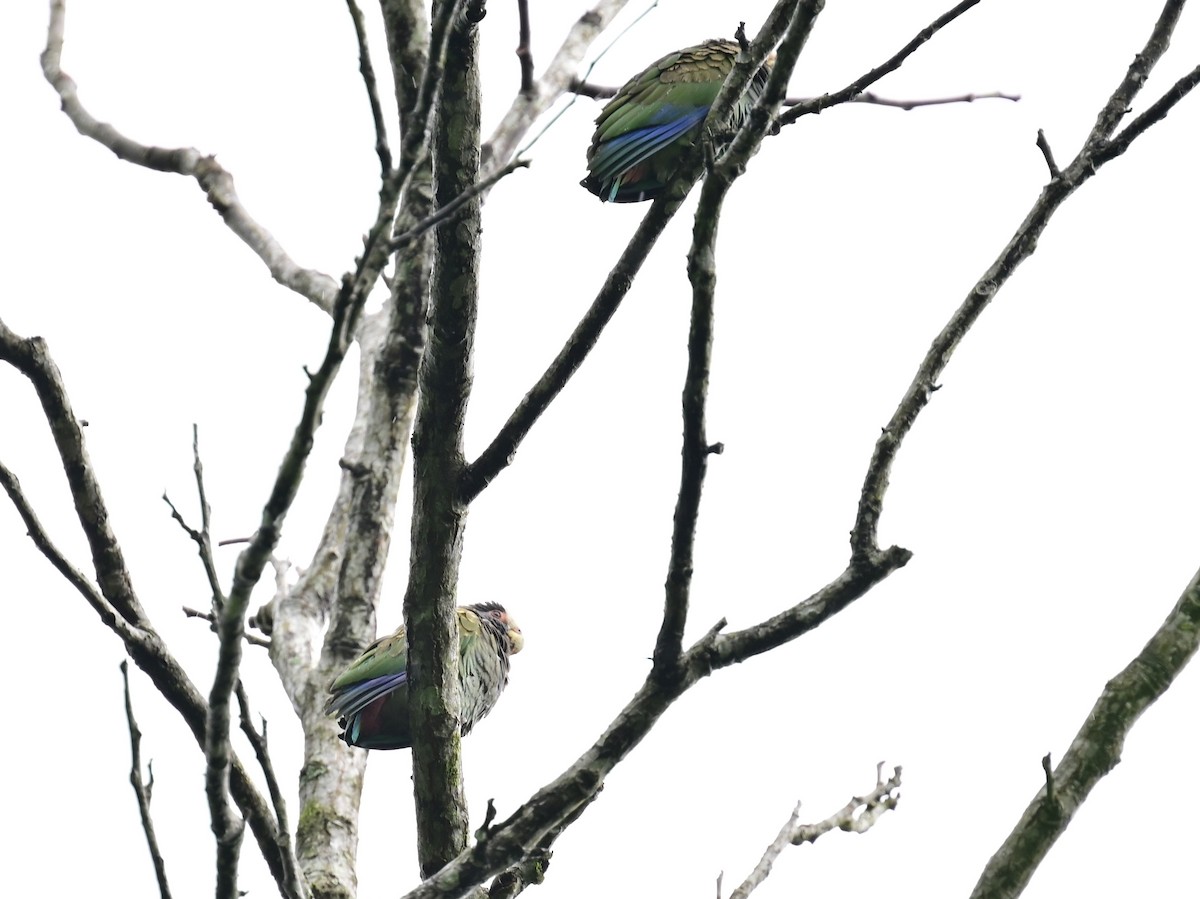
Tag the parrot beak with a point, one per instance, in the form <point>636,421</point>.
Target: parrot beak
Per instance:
<point>515,638</point>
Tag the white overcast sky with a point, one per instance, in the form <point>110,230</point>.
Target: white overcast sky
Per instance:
<point>1048,492</point>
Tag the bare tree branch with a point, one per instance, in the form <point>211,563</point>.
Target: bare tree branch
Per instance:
<point>871,99</point>
<point>500,453</point>
<point>1156,112</point>
<point>604,91</point>
<point>203,537</point>
<point>217,184</point>
<point>858,85</point>
<point>857,816</point>
<point>506,844</point>
<point>76,578</point>
<point>1085,164</point>
<point>531,870</point>
<point>143,789</point>
<point>368,75</point>
<point>702,273</point>
<point>116,603</point>
<point>211,618</point>
<point>524,47</point>
<point>1139,70</point>
<point>446,212</point>
<point>1096,749</point>
<point>258,740</point>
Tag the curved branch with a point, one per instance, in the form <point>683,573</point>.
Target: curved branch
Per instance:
<point>1094,153</point>
<point>217,184</point>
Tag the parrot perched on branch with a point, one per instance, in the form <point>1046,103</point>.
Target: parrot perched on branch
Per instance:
<point>370,697</point>
<point>651,122</point>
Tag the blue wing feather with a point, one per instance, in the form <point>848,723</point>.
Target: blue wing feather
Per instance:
<point>351,700</point>
<point>627,150</point>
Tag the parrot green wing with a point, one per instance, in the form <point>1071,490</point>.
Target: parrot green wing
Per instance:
<point>385,657</point>
<point>642,133</point>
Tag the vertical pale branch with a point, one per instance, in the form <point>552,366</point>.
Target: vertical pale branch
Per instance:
<point>231,622</point>
<point>361,523</point>
<point>439,509</point>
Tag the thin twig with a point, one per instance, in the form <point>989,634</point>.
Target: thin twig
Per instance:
<point>604,91</point>
<point>1048,154</point>
<point>858,85</point>
<point>76,578</point>
<point>143,789</point>
<point>203,537</point>
<point>1048,770</point>
<point>258,740</point>
<point>857,816</point>
<point>446,212</point>
<point>368,75</point>
<point>871,99</point>
<point>531,870</point>
<point>252,639</point>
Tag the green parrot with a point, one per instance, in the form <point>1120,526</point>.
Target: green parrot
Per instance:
<point>643,131</point>
<point>370,697</point>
